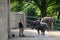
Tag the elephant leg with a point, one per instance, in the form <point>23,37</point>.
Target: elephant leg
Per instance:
<point>38,32</point>
<point>48,28</point>
<point>52,26</point>
<point>42,32</point>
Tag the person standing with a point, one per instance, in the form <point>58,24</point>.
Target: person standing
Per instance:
<point>21,28</point>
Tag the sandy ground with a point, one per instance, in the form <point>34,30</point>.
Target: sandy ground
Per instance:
<point>33,35</point>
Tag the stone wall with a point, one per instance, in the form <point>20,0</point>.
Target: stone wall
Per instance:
<point>3,20</point>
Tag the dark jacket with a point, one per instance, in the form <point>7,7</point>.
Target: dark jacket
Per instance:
<point>20,25</point>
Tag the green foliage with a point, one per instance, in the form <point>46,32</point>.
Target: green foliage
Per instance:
<point>25,5</point>
<point>31,12</point>
<point>13,5</point>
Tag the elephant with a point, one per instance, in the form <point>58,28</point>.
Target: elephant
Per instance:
<point>39,26</point>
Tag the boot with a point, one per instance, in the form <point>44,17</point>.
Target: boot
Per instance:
<point>20,35</point>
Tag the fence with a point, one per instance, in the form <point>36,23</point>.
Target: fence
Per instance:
<point>29,19</point>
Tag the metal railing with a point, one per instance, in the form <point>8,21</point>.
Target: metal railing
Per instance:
<point>29,19</point>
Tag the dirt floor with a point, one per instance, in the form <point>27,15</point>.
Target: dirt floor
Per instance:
<point>33,35</point>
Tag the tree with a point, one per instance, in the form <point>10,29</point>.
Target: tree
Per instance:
<point>45,6</point>
<point>31,12</point>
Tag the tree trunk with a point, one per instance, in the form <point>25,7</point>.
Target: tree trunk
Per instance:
<point>43,8</point>
<point>58,3</point>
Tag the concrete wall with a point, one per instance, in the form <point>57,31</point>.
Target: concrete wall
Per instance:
<point>12,20</point>
<point>15,18</point>
<point>3,20</point>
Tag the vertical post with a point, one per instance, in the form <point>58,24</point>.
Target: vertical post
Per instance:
<point>24,17</point>
<point>8,29</point>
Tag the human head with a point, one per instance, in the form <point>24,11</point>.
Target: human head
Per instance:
<point>21,19</point>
